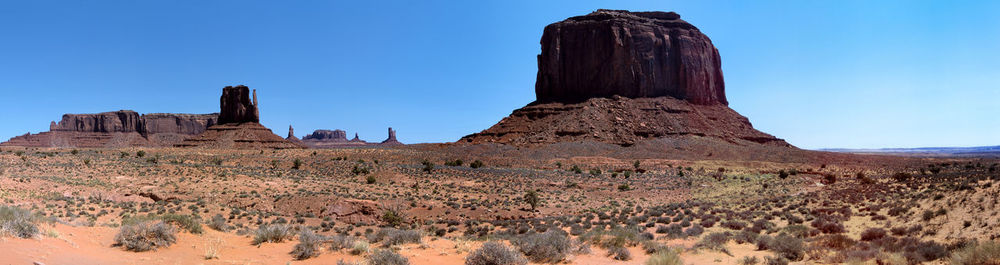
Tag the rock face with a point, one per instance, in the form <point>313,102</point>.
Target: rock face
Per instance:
<point>238,126</point>
<point>118,129</point>
<point>236,105</point>
<point>629,54</point>
<point>624,78</point>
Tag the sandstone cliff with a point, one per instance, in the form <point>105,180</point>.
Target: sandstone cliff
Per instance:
<point>629,54</point>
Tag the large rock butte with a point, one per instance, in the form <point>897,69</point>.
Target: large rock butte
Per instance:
<point>623,77</point>
<point>629,54</point>
<point>237,106</point>
<point>239,126</point>
<point>118,129</point>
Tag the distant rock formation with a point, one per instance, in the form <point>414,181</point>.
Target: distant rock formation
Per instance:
<point>629,54</point>
<point>327,135</point>
<point>236,105</point>
<point>392,138</point>
<point>338,139</point>
<point>291,136</point>
<point>117,129</point>
<point>239,126</point>
<point>622,77</point>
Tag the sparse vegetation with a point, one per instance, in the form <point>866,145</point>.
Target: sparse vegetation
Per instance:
<point>145,236</point>
<point>495,253</point>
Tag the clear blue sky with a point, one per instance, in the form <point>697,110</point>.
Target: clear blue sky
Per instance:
<point>855,74</point>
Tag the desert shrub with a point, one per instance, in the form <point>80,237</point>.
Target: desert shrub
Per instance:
<point>495,253</point>
<point>308,246</point>
<point>297,163</point>
<point>273,233</point>
<point>764,242</point>
<point>924,251</point>
<point>665,257</point>
<point>901,176</point>
<point>476,164</point>
<point>18,222</point>
<point>145,236</point>
<point>749,260</point>
<point>650,246</point>
<point>872,234</point>
<point>532,198</point>
<point>828,225</point>
<point>393,216</point>
<point>359,247</point>
<point>987,253</point>
<point>694,231</point>
<point>387,257</point>
<point>746,237</point>
<point>392,236</point>
<point>549,247</point>
<point>782,174</point>
<point>836,241</point>
<point>218,223</point>
<point>890,259</point>
<point>788,247</point>
<point>769,260</point>
<point>620,253</point>
<point>185,222</point>
<point>733,225</point>
<point>338,242</point>
<point>715,241</point>
<point>428,166</point>
<point>455,163</point>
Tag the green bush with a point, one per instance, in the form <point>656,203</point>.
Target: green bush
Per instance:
<point>370,179</point>
<point>532,198</point>
<point>476,164</point>
<point>495,253</point>
<point>145,236</point>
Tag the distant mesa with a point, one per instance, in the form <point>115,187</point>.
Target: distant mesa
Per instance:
<point>239,126</point>
<point>338,139</point>
<point>123,128</point>
<point>621,77</point>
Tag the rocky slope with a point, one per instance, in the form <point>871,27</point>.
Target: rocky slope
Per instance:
<point>621,78</point>
<point>117,129</point>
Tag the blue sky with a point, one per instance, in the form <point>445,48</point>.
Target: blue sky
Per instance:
<point>854,74</point>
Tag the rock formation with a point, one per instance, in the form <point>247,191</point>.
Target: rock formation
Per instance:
<point>238,126</point>
<point>338,139</point>
<point>291,136</point>
<point>629,54</point>
<point>327,135</point>
<point>625,77</point>
<point>118,129</point>
<point>392,138</point>
<point>236,105</point>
